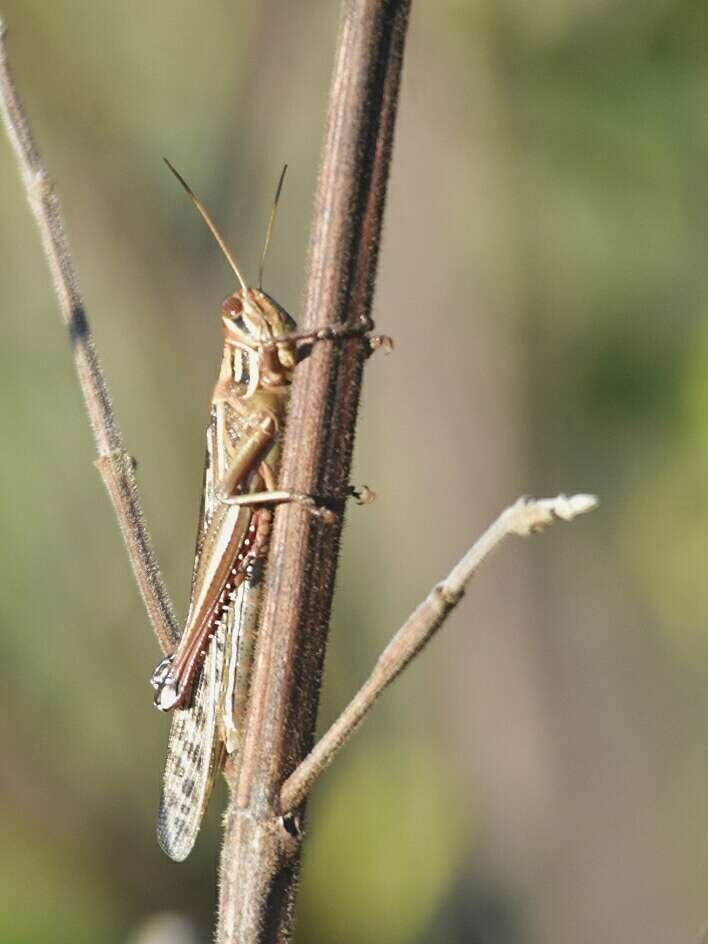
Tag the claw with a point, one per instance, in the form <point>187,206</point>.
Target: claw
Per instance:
<point>363,495</point>
<point>162,671</point>
<point>168,695</point>
<point>380,341</point>
<point>167,689</point>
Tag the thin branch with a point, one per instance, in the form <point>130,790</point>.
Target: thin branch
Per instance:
<point>523,518</point>
<point>114,463</point>
<point>260,858</point>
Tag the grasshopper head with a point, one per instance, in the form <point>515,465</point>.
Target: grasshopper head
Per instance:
<point>254,324</point>
<point>258,327</point>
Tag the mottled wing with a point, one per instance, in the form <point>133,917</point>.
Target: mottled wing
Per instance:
<point>194,747</point>
<point>194,754</point>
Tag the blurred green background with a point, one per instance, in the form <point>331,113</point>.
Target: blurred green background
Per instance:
<point>540,774</point>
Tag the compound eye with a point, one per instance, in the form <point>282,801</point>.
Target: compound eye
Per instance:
<point>233,306</point>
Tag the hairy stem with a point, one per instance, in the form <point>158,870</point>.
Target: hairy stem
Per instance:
<point>260,857</point>
<point>117,468</point>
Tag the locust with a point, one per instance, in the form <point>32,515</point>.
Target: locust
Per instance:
<point>205,680</point>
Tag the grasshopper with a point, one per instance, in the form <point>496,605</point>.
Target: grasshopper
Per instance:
<point>205,681</point>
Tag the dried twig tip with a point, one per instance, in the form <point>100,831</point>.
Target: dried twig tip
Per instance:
<point>569,508</point>
<point>533,514</point>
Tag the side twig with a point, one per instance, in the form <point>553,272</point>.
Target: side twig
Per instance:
<point>524,517</point>
<point>116,466</point>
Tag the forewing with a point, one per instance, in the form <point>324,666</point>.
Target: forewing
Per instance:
<point>221,527</point>
<point>194,753</point>
<point>206,511</point>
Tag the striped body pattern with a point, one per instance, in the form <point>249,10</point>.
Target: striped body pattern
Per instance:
<point>205,681</point>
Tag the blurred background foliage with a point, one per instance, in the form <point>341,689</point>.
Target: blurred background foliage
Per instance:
<point>540,774</point>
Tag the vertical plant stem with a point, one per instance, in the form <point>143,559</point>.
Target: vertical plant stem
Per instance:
<point>260,857</point>
<point>117,468</point>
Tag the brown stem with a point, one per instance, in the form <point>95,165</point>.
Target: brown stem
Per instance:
<point>260,857</point>
<point>114,463</point>
<point>522,518</point>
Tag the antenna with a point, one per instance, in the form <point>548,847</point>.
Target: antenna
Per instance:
<point>271,224</point>
<point>212,226</point>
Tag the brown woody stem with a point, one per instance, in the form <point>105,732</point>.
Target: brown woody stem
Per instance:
<point>260,857</point>
<point>114,463</point>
